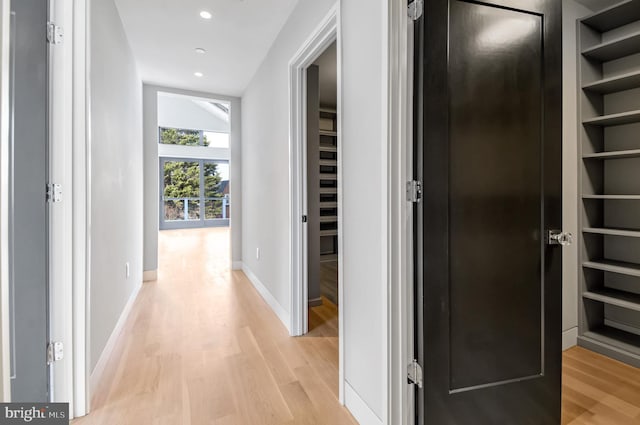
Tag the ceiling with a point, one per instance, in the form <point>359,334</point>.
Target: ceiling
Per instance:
<point>165,33</point>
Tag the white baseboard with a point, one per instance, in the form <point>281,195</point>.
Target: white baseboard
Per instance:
<point>268,298</point>
<point>149,275</point>
<point>236,265</point>
<point>358,408</point>
<point>98,371</point>
<point>569,338</point>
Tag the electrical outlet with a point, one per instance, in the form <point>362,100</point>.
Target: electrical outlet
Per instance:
<point>257,253</point>
<point>127,270</point>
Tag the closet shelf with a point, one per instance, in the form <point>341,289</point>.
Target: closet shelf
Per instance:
<point>631,233</point>
<point>613,197</point>
<point>632,153</point>
<point>615,297</point>
<point>328,205</point>
<point>614,337</point>
<point>328,191</point>
<point>328,162</point>
<point>614,119</point>
<point>615,16</point>
<point>332,232</point>
<point>614,49</point>
<point>324,148</point>
<point>329,219</point>
<point>620,267</point>
<point>328,133</point>
<point>328,176</point>
<point>615,84</point>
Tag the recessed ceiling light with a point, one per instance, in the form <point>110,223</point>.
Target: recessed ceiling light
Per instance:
<point>205,15</point>
<point>198,74</point>
<point>200,50</point>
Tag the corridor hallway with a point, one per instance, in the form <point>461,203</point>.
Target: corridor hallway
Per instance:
<point>200,346</point>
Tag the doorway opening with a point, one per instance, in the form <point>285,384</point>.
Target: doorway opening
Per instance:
<point>193,150</point>
<point>316,234</point>
<point>323,202</point>
<point>194,168</point>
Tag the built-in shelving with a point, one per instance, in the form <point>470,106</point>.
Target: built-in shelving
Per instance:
<point>613,232</point>
<point>609,179</point>
<point>632,153</point>
<point>618,15</point>
<point>328,162</point>
<point>328,133</point>
<point>614,49</point>
<point>614,297</point>
<point>614,84</point>
<point>328,176</point>
<point>617,339</point>
<point>613,197</point>
<point>328,150</point>
<point>332,232</point>
<point>614,119</point>
<point>620,267</point>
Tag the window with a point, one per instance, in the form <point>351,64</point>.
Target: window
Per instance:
<point>185,137</point>
<point>189,184</point>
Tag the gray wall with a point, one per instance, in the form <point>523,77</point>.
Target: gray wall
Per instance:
<point>313,183</point>
<point>571,11</point>
<point>151,182</point>
<point>116,174</point>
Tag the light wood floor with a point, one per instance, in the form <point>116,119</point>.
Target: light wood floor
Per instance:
<point>202,347</point>
<point>329,280</point>
<point>599,391</point>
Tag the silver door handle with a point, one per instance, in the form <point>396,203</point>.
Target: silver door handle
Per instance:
<point>558,237</point>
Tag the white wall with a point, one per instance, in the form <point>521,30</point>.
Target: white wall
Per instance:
<point>175,111</point>
<point>116,174</point>
<point>5,369</point>
<point>266,183</point>
<point>365,176</point>
<point>571,11</point>
<point>151,172</point>
<point>265,155</point>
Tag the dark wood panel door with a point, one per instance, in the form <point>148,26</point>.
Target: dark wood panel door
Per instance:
<point>490,140</point>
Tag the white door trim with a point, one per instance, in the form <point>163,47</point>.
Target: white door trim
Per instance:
<point>326,33</point>
<point>61,221</point>
<point>5,340</point>
<point>399,72</point>
<point>81,178</point>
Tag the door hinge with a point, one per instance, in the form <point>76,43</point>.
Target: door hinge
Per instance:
<point>55,352</point>
<point>55,34</point>
<point>414,191</point>
<point>416,9</point>
<point>414,373</point>
<point>305,218</point>
<point>54,193</point>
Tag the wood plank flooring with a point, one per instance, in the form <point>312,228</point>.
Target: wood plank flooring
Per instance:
<point>597,390</point>
<point>329,280</point>
<point>202,347</point>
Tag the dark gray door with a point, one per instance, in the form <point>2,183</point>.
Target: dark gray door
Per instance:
<point>28,238</point>
<point>489,129</point>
